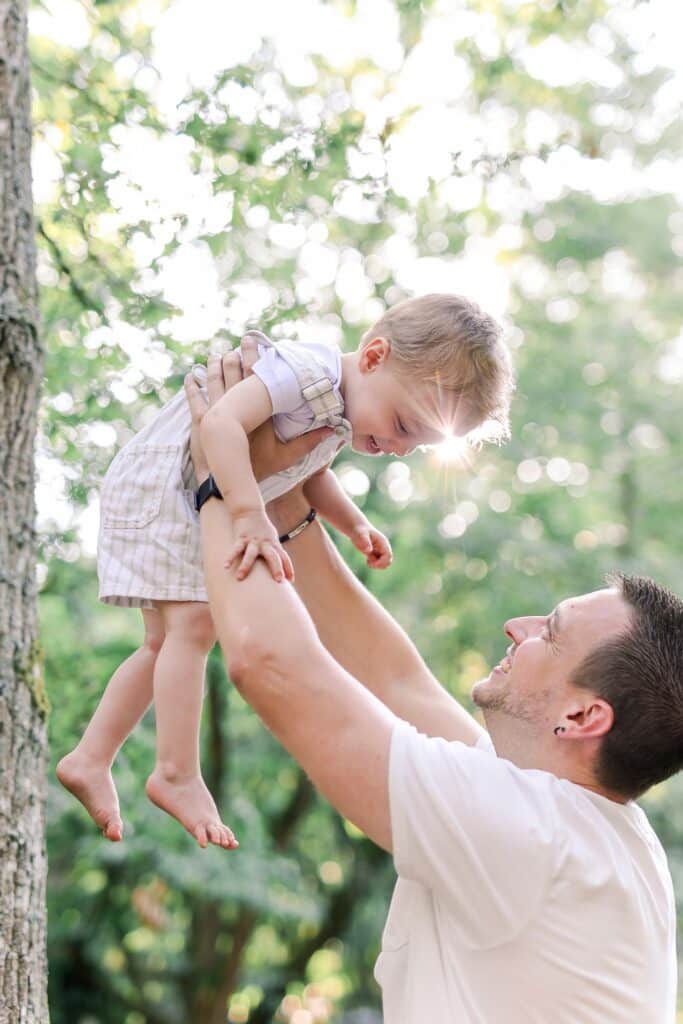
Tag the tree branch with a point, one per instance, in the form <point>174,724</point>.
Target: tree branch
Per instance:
<point>77,290</point>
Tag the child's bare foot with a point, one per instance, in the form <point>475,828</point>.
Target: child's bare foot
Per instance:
<point>92,784</point>
<point>188,800</point>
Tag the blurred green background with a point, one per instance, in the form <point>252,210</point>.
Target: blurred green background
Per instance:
<point>200,167</point>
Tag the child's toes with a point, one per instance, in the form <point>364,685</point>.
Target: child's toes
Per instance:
<point>114,830</point>
<point>214,835</point>
<point>200,836</point>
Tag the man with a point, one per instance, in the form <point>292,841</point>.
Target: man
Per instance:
<point>531,888</point>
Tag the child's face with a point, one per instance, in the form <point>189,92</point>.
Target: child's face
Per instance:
<point>390,413</point>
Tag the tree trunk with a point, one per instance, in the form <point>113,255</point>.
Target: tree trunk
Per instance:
<point>23,704</point>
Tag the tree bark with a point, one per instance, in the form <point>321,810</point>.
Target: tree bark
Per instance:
<point>23,704</point>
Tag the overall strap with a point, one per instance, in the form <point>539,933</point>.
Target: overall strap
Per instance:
<point>316,387</point>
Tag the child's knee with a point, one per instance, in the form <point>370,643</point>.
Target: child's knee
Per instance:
<point>153,641</point>
<point>154,632</point>
<point>194,624</point>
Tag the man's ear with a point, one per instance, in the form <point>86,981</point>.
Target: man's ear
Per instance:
<point>589,719</point>
<point>373,353</point>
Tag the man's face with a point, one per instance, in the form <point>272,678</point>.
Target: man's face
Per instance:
<point>531,682</point>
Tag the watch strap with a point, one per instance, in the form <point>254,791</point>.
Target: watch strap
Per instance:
<point>207,489</point>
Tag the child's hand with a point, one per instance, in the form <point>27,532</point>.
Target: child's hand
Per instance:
<point>373,544</point>
<point>256,538</point>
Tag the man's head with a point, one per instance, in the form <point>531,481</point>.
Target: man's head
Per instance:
<point>594,691</point>
<point>431,366</point>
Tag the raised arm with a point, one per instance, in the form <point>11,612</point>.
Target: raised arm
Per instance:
<point>361,635</point>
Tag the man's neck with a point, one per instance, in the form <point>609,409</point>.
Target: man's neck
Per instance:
<point>562,767</point>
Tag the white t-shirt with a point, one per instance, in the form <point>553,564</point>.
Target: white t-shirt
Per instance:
<point>521,899</point>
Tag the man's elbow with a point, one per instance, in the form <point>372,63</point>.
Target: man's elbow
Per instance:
<point>254,666</point>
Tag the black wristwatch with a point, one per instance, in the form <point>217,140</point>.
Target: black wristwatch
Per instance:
<point>209,489</point>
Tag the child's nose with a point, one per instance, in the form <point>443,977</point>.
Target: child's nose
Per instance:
<point>403,447</point>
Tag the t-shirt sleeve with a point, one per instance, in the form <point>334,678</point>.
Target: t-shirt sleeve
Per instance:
<point>280,380</point>
<point>474,829</point>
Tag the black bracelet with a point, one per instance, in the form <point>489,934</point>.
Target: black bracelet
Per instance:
<point>298,529</point>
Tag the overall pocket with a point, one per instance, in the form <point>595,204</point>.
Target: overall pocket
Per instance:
<point>134,485</point>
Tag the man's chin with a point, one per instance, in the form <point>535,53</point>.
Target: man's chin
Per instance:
<point>486,695</point>
<point>479,692</point>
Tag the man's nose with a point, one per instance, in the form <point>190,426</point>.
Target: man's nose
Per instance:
<point>520,629</point>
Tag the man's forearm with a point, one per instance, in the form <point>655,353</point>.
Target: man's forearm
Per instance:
<point>338,732</point>
<point>362,636</point>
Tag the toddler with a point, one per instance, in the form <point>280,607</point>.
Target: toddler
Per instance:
<point>430,367</point>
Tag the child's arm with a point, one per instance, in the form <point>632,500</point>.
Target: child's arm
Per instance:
<point>224,435</point>
<point>329,498</point>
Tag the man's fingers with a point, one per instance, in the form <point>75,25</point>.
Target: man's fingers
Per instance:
<point>249,352</point>
<point>232,369</point>
<point>215,385</point>
<point>195,398</point>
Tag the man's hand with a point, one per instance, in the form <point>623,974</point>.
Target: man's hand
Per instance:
<point>268,455</point>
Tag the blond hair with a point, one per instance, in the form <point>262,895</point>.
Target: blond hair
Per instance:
<point>450,341</point>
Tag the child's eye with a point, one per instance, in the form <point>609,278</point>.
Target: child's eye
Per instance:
<point>401,426</point>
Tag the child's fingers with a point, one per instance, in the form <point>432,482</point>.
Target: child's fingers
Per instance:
<point>380,559</point>
<point>272,559</point>
<point>362,541</point>
<point>234,553</point>
<point>248,559</point>
<point>287,565</point>
<point>381,545</point>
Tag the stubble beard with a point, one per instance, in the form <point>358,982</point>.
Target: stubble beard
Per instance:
<point>499,703</point>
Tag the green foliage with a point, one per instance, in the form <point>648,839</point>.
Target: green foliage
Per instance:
<point>156,931</point>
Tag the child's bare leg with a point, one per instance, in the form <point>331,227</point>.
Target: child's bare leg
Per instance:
<point>86,771</point>
<point>176,784</point>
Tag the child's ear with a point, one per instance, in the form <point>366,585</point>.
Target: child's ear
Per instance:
<point>373,353</point>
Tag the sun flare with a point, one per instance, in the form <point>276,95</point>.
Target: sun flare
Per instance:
<point>453,450</point>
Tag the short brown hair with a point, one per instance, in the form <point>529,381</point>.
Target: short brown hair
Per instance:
<point>640,674</point>
<point>449,340</point>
